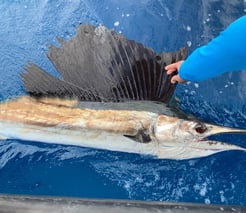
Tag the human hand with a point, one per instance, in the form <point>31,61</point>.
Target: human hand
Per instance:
<point>173,68</point>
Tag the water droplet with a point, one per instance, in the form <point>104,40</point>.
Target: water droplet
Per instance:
<point>189,43</point>
<point>188,28</point>
<point>116,23</point>
<point>193,92</point>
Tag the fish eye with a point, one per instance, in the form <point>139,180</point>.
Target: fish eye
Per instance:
<point>200,128</point>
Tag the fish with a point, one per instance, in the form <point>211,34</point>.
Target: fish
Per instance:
<point>62,121</point>
<point>112,94</point>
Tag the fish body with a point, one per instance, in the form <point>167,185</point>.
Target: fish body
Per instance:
<point>60,121</point>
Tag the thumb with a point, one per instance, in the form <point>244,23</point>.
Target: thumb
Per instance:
<point>176,79</point>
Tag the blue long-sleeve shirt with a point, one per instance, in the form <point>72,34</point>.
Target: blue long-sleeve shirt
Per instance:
<point>225,53</point>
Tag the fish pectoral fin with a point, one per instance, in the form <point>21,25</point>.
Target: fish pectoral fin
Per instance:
<point>140,137</point>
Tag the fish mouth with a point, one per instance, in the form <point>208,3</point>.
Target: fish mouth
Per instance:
<point>210,144</point>
<point>204,143</point>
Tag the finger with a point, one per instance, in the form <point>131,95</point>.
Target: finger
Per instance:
<point>174,79</point>
<point>172,66</point>
<point>170,71</point>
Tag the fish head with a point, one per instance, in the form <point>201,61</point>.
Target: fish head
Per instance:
<point>184,139</point>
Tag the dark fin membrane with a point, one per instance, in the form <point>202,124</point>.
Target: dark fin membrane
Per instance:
<point>100,65</point>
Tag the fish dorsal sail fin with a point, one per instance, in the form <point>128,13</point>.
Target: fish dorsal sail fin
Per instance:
<point>100,65</point>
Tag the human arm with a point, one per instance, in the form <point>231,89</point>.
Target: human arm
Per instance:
<point>225,53</point>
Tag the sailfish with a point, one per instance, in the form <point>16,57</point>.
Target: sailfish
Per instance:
<point>110,93</point>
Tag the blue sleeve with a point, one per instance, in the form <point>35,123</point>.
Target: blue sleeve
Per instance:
<point>225,53</point>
